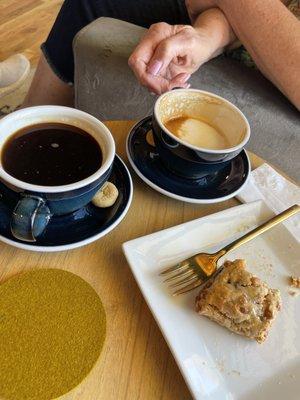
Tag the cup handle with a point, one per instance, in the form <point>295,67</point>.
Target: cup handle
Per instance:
<point>30,217</point>
<point>169,141</point>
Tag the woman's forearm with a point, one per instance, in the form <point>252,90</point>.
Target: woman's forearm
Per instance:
<point>271,34</point>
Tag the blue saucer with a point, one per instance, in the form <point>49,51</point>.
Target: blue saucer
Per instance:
<point>214,188</point>
<point>78,228</point>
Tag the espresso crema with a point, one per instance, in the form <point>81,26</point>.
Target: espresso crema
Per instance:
<point>197,132</point>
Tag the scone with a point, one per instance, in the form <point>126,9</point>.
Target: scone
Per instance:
<point>239,301</point>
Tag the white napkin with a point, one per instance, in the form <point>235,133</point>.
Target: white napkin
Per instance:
<point>277,192</point>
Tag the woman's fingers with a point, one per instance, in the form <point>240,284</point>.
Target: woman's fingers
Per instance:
<point>179,81</point>
<point>156,84</point>
<point>159,84</point>
<point>177,47</point>
<point>155,61</point>
<point>142,54</point>
<point>162,57</point>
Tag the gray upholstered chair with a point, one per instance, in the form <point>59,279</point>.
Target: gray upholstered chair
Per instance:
<point>106,88</point>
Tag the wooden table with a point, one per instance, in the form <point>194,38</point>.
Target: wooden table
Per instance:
<point>136,362</point>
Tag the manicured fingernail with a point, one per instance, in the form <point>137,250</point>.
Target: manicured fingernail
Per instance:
<point>155,67</point>
<point>186,78</point>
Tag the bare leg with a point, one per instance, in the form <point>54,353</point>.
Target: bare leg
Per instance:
<point>47,88</point>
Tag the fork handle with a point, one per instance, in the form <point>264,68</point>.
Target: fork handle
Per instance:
<point>262,228</point>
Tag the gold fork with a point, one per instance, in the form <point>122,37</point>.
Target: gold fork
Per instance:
<point>194,271</point>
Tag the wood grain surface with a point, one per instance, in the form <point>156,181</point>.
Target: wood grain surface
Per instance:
<point>24,25</point>
<point>136,362</point>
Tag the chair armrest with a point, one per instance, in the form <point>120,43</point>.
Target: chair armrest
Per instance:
<point>104,84</point>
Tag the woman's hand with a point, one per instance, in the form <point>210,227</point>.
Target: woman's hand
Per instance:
<point>168,54</point>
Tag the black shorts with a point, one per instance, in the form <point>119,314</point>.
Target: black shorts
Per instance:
<point>75,14</point>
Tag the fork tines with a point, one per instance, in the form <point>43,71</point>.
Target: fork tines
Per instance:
<point>183,276</point>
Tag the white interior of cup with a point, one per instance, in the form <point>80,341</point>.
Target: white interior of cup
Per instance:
<point>44,114</point>
<point>209,107</point>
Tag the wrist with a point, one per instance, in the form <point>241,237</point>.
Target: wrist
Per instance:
<point>214,25</point>
<point>210,41</point>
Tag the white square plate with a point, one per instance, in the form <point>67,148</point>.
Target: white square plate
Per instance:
<point>217,364</point>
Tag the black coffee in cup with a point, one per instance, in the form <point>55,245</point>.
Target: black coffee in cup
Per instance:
<point>51,154</point>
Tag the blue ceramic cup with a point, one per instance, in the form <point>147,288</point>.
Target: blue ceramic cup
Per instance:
<point>189,160</point>
<point>37,204</point>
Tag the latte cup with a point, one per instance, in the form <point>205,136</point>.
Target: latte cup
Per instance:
<point>189,160</point>
<point>34,205</point>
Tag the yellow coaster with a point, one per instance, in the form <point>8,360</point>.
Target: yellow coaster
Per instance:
<point>52,329</point>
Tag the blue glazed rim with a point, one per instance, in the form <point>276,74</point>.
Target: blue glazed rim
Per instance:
<point>215,188</point>
<point>84,226</point>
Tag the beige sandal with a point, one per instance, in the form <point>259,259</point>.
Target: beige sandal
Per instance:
<point>13,72</point>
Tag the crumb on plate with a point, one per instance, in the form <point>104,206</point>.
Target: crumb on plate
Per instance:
<point>295,282</point>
